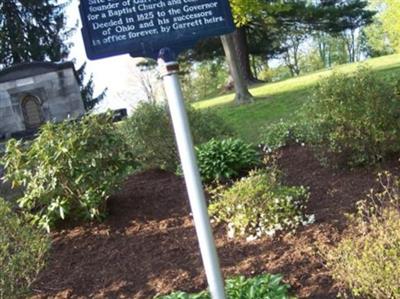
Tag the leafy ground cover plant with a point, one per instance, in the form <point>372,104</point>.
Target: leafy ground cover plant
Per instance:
<point>23,249</point>
<point>260,205</point>
<point>150,134</point>
<point>69,170</point>
<point>355,118</point>
<point>264,286</point>
<point>282,133</point>
<point>367,259</point>
<point>221,160</point>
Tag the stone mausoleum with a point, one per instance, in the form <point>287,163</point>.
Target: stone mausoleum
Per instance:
<point>37,92</point>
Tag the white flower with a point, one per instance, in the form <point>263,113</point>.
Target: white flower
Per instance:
<point>308,219</point>
<point>251,238</point>
<point>231,231</point>
<point>270,232</point>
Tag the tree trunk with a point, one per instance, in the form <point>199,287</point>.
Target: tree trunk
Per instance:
<point>353,45</point>
<point>330,57</point>
<point>243,55</point>
<point>350,46</point>
<point>322,51</point>
<point>296,44</point>
<point>243,95</point>
<point>254,66</point>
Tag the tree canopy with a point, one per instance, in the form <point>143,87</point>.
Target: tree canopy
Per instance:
<point>270,28</point>
<point>35,30</point>
<point>391,22</point>
<point>32,30</point>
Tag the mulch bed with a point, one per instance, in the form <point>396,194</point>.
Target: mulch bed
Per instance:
<point>148,243</point>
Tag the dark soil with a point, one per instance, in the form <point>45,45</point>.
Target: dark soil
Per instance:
<point>148,243</point>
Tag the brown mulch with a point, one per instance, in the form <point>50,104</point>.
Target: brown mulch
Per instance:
<point>148,244</point>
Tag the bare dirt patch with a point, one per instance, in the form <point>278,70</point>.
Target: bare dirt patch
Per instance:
<point>148,243</point>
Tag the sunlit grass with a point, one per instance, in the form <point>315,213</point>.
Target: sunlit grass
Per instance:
<point>281,100</point>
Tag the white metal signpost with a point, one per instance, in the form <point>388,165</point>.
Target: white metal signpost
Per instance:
<point>160,29</point>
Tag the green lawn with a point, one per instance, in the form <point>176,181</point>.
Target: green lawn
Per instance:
<point>281,100</point>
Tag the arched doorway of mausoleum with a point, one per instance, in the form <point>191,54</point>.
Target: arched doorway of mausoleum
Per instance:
<point>32,111</point>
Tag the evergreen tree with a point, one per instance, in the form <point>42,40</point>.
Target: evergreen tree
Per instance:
<point>35,30</point>
<point>298,20</point>
<point>32,30</point>
<point>353,16</point>
<point>87,89</point>
<point>266,28</point>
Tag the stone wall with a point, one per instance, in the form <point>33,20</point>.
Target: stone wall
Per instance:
<point>10,121</point>
<point>57,91</point>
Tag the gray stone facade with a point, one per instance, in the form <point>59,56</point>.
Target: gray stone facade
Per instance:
<point>34,93</point>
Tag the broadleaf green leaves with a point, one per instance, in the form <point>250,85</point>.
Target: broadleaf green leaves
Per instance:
<point>69,170</point>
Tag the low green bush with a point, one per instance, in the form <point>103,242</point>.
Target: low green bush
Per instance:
<point>283,133</point>
<point>183,295</point>
<point>69,170</point>
<point>221,160</point>
<point>367,259</point>
<point>22,253</point>
<point>260,205</point>
<point>264,286</point>
<point>355,118</point>
<point>151,138</point>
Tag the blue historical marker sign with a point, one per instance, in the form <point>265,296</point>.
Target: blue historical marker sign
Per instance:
<point>142,27</point>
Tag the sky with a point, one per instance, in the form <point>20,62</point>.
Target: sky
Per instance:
<point>115,73</point>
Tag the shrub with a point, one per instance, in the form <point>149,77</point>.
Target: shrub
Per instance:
<point>367,260</point>
<point>22,253</point>
<point>282,133</point>
<point>69,170</point>
<point>220,160</point>
<point>355,117</point>
<point>151,138</point>
<point>260,287</point>
<point>263,286</point>
<point>183,295</point>
<point>259,204</point>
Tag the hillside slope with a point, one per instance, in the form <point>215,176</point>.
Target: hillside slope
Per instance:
<point>282,99</point>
